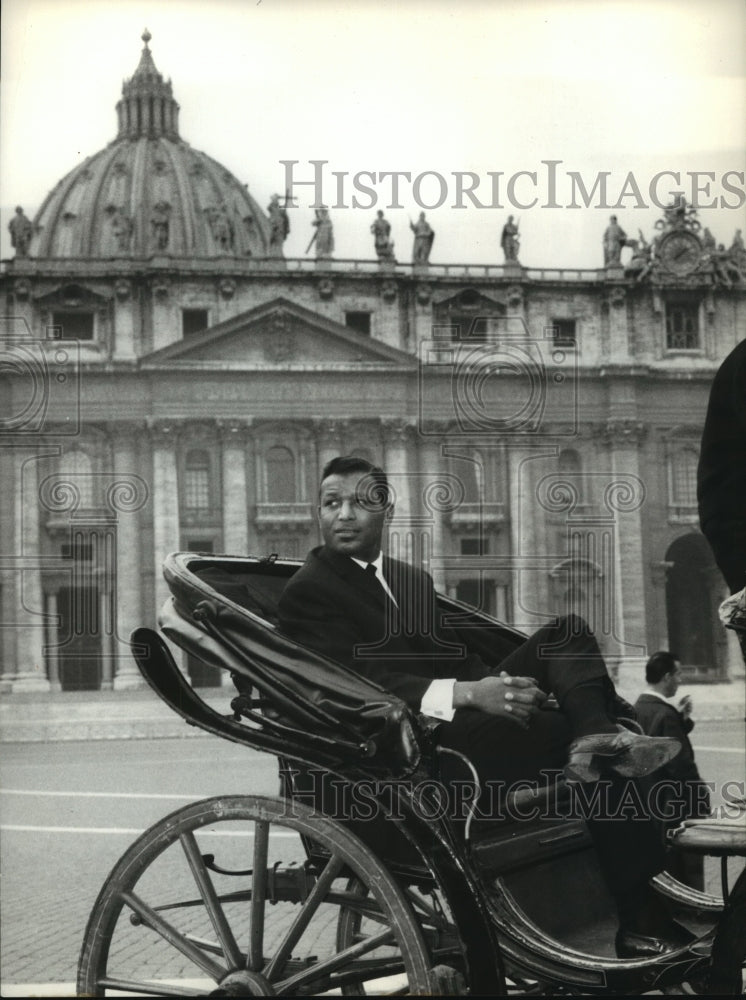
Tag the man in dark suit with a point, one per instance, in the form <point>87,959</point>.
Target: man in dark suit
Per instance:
<point>721,476</point>
<point>379,617</point>
<point>681,792</point>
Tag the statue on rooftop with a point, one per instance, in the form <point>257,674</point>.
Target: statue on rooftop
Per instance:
<point>279,225</point>
<point>641,263</point>
<point>21,230</point>
<point>614,239</point>
<point>509,241</point>
<point>423,240</point>
<point>324,235</point>
<point>381,230</point>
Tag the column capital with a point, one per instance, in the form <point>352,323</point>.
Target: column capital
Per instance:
<point>330,427</point>
<point>234,430</point>
<point>435,432</point>
<point>163,433</point>
<point>124,431</point>
<point>398,430</point>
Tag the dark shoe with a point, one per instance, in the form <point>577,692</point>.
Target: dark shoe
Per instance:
<point>630,945</point>
<point>669,935</point>
<point>632,755</point>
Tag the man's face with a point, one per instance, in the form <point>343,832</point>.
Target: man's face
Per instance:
<point>672,680</point>
<point>352,515</point>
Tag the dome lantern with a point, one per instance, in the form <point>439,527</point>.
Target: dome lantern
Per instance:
<point>147,106</point>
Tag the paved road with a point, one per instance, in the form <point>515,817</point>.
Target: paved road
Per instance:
<point>68,811</point>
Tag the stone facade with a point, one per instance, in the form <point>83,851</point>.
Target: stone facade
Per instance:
<point>180,388</point>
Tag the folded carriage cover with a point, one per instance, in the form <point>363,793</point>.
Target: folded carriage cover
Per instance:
<point>210,617</point>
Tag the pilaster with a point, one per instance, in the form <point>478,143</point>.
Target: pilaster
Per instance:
<point>30,669</point>
<point>128,498</point>
<point>624,498</point>
<point>164,440</point>
<point>233,435</point>
<point>397,435</point>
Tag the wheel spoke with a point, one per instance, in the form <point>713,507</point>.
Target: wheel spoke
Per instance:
<point>437,918</point>
<point>333,963</point>
<point>255,959</point>
<point>309,907</point>
<point>167,931</point>
<point>220,924</point>
<point>138,988</point>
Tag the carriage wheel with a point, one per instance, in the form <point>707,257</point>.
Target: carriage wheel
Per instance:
<point>444,944</point>
<point>219,899</point>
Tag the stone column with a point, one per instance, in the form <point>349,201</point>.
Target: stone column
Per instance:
<point>528,544</point>
<point>658,614</point>
<point>128,495</point>
<point>233,435</point>
<point>30,673</point>
<point>624,498</point>
<point>52,638</point>
<point>329,440</point>
<point>438,491</point>
<point>125,313</point>
<point>618,332</point>
<point>397,434</point>
<point>165,494</point>
<point>106,632</point>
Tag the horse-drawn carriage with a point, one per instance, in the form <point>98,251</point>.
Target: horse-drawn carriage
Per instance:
<point>372,871</point>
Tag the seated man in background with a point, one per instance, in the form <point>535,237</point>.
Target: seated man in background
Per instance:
<point>378,616</point>
<point>683,793</point>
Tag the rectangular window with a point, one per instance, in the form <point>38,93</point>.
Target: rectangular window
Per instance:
<point>682,326</point>
<point>197,489</point>
<point>193,321</point>
<point>73,325</point>
<point>475,546</point>
<point>358,321</point>
<point>201,545</point>
<point>563,332</point>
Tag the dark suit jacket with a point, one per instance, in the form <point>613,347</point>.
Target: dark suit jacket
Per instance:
<point>660,719</point>
<point>721,477</point>
<point>334,607</point>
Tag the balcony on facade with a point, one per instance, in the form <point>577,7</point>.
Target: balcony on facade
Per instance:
<point>283,516</point>
<point>476,516</point>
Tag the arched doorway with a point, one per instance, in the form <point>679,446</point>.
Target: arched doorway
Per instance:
<point>693,591</point>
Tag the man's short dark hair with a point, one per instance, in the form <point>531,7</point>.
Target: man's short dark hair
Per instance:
<point>660,664</point>
<point>344,464</point>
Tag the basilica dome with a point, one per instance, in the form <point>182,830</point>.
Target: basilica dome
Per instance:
<point>149,193</point>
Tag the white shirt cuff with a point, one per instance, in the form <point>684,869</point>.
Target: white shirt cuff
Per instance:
<point>437,701</point>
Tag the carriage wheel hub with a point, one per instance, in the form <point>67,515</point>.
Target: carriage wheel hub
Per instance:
<point>243,983</point>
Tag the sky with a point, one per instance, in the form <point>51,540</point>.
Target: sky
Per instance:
<point>625,89</point>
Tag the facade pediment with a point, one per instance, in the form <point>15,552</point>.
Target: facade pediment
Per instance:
<point>279,333</point>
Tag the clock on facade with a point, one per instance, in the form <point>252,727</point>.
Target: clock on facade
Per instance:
<point>680,252</point>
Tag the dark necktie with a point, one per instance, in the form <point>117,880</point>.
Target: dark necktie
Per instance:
<point>370,569</point>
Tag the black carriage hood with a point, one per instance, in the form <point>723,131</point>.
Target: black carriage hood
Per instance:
<point>214,620</point>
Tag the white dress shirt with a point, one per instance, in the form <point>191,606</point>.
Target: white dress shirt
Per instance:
<point>437,701</point>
